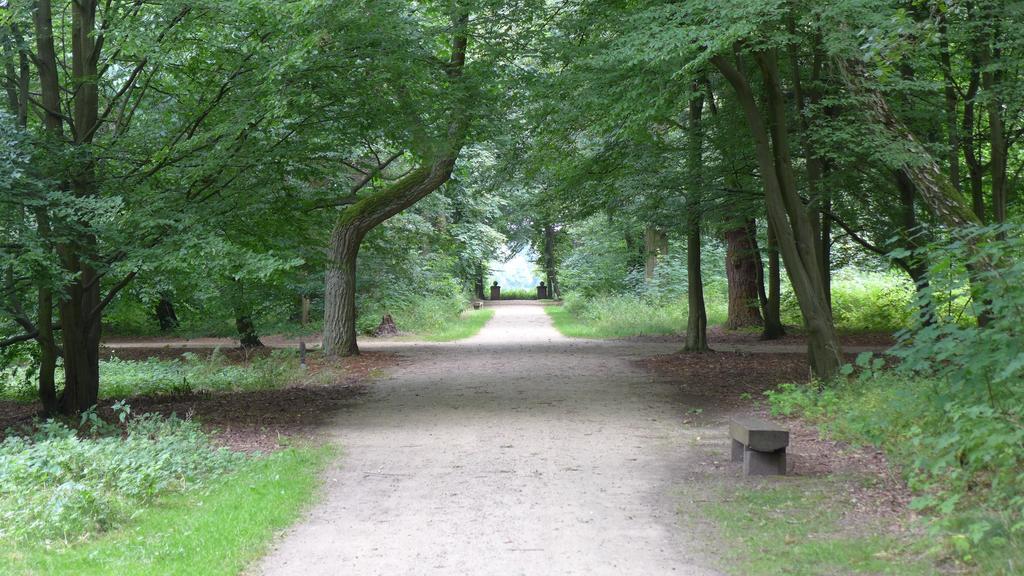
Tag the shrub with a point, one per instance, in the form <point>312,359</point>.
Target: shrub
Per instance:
<point>60,486</point>
<point>952,410</point>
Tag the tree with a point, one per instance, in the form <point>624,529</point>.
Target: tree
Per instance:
<point>435,167</point>
<point>130,138</point>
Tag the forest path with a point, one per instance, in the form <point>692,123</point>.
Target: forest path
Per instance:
<point>516,451</point>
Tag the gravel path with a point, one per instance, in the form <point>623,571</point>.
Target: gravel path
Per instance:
<point>517,451</point>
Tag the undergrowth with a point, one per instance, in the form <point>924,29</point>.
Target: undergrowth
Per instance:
<point>63,485</point>
<point>467,324</point>
<point>951,411</point>
<point>152,496</point>
<point>124,378</point>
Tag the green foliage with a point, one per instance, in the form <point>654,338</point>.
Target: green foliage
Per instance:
<point>862,301</point>
<point>625,315</point>
<point>216,529</point>
<point>59,487</point>
<point>417,314</point>
<point>935,446</point>
<point>951,410</point>
<point>216,373</point>
<point>796,529</point>
<point>518,294</point>
<point>466,325</point>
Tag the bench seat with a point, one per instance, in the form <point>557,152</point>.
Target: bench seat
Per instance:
<point>760,445</point>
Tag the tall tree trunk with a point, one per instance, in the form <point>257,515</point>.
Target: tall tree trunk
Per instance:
<point>165,314</point>
<point>952,101</point>
<point>741,273</point>
<point>478,282</point>
<point>80,310</point>
<point>975,168</point>
<point>248,336</point>
<point>18,80</point>
<point>634,250</point>
<point>916,263</point>
<point>697,318</point>
<point>655,246</point>
<point>773,327</point>
<point>819,200</point>
<point>550,263</point>
<point>990,81</point>
<point>797,241</point>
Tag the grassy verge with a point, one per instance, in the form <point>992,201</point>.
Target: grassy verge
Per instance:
<point>623,323</point>
<point>961,457</point>
<point>216,531</point>
<point>216,373</point>
<point>795,529</point>
<point>466,325</point>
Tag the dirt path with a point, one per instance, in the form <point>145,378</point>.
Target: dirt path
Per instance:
<point>517,451</point>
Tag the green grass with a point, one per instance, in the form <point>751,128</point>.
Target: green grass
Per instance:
<point>126,378</point>
<point>518,293</point>
<point>620,319</point>
<point>466,325</point>
<point>218,531</point>
<point>794,529</point>
<point>961,459</point>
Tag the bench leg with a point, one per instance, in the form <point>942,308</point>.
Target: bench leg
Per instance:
<point>764,463</point>
<point>737,451</point>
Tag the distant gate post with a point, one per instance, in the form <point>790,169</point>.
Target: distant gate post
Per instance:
<point>495,291</point>
<point>542,291</point>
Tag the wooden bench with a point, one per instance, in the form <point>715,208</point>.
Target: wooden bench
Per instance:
<point>761,445</point>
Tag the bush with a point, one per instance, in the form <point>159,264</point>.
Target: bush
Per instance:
<point>519,294</point>
<point>60,486</point>
<point>121,378</point>
<point>952,410</point>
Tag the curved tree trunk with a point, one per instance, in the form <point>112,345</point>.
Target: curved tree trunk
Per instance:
<point>353,225</point>
<point>741,272</point>
<point>340,293</point>
<point>369,211</point>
